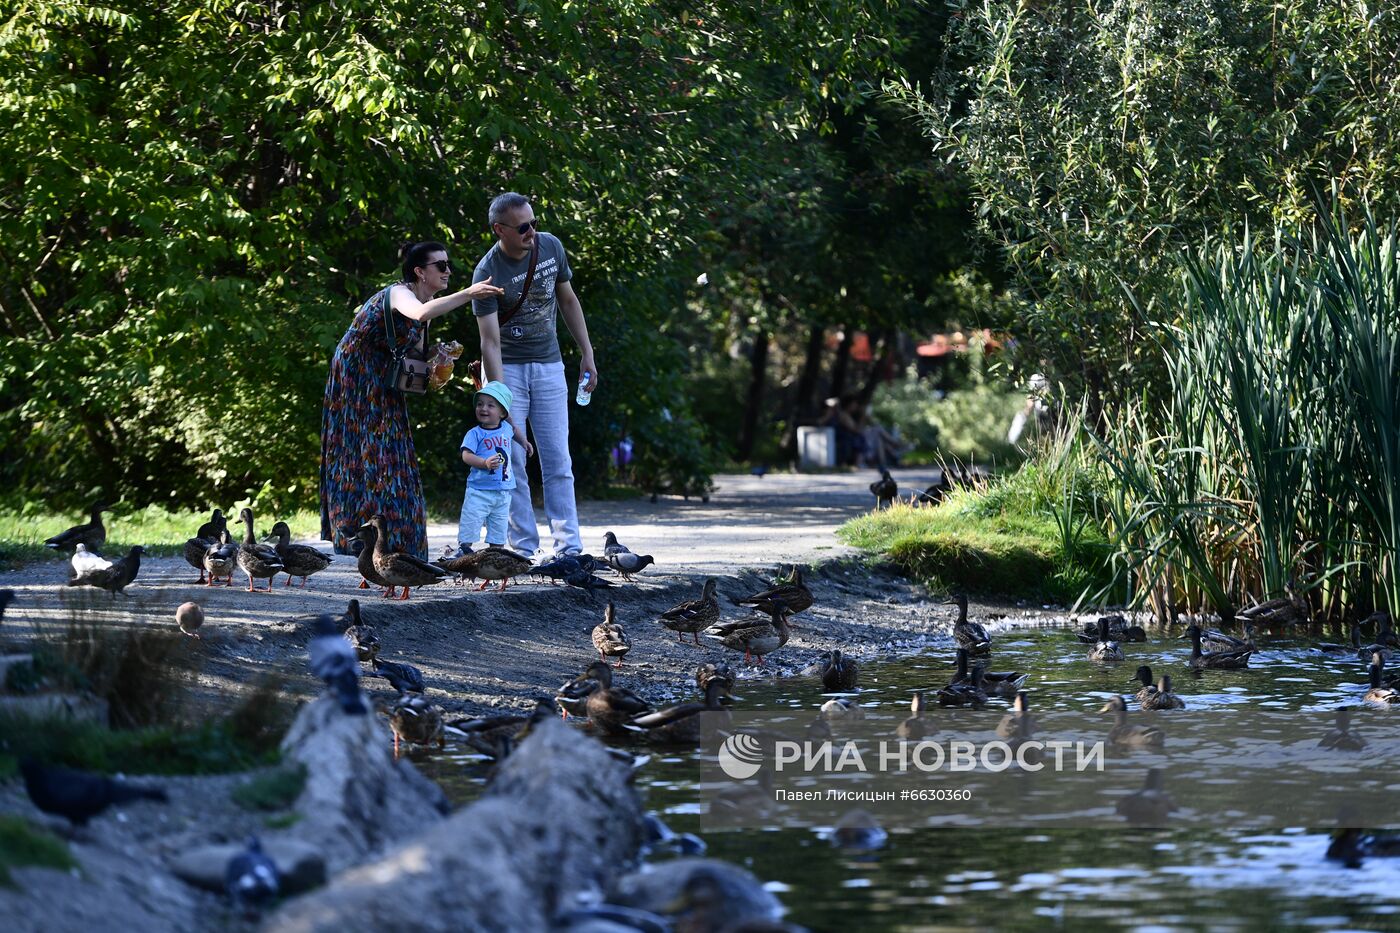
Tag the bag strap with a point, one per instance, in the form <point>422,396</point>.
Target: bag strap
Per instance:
<point>504,316</point>
<point>392,335</point>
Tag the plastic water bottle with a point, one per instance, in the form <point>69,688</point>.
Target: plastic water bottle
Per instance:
<point>583,396</point>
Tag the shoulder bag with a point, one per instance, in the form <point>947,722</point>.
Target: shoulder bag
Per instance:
<point>474,370</point>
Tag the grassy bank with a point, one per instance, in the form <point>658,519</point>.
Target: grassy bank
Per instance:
<point>160,531</point>
<point>1025,535</point>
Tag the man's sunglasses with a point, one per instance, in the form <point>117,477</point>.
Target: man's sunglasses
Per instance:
<point>527,226</point>
<point>443,265</point>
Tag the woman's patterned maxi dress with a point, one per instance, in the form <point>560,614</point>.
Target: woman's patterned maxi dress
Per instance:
<point>368,465</point>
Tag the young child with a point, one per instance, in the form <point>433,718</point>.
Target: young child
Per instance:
<point>486,449</point>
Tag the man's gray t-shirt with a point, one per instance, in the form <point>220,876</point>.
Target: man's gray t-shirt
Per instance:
<point>529,336</point>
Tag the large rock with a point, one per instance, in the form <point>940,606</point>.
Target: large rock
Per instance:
<point>708,895</point>
<point>358,800</point>
<point>560,818</point>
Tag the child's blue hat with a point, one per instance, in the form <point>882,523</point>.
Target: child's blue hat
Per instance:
<point>498,391</point>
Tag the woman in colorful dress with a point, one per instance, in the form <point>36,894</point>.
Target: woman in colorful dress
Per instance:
<point>368,466</point>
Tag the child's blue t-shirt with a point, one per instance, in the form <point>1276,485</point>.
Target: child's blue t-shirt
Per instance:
<point>484,443</point>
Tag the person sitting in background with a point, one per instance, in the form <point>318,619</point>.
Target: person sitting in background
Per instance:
<point>882,448</point>
<point>843,414</point>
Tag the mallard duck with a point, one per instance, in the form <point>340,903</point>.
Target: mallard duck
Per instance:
<point>1289,609</point>
<point>491,563</point>
<point>257,560</point>
<point>1004,684</point>
<point>1379,694</point>
<point>400,569</point>
<point>1384,636</point>
<point>609,638</point>
<point>207,536</point>
<point>1216,660</point>
<point>1341,737</point>
<point>360,636</point>
<point>1149,806</point>
<point>494,736</point>
<point>1105,650</point>
<point>405,678</point>
<point>1343,650</point>
<point>693,615</point>
<point>839,673</point>
<point>1163,698</point>
<point>611,709</point>
<point>368,536</point>
<point>1149,685</point>
<point>189,617</point>
<point>416,721</point>
<point>1351,845</point>
<point>915,728</point>
<point>626,564</point>
<point>757,637</point>
<point>1214,640</point>
<point>885,490</point>
<point>791,594</point>
<point>1389,680</point>
<point>85,562</point>
<point>1017,724</point>
<point>92,533</point>
<point>972,637</point>
<point>572,696</point>
<point>1130,736</point>
<point>116,576</point>
<point>711,671</point>
<point>966,687</point>
<point>220,560</point>
<point>298,560</point>
<point>1119,629</point>
<point>686,723</point>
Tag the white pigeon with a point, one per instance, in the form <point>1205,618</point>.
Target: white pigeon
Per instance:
<point>85,562</point>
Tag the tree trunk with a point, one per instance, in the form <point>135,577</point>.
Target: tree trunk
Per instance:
<point>843,361</point>
<point>748,427</point>
<point>803,404</point>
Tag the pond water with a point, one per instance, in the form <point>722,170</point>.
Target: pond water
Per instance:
<point>1085,879</point>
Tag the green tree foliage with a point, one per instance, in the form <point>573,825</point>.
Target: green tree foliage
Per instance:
<point>1103,138</point>
<point>196,195</point>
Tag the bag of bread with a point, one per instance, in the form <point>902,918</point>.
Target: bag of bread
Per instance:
<point>441,361</point>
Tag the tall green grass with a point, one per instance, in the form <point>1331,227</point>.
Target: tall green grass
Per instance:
<point>1273,463</point>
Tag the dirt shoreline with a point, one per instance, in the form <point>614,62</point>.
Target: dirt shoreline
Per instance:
<point>488,650</point>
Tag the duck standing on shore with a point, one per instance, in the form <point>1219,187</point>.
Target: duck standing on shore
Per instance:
<point>399,568</point>
<point>206,537</point>
<point>258,561</point>
<point>92,533</point>
<point>792,595</point>
<point>693,615</point>
<point>609,638</point>
<point>220,560</point>
<point>298,560</point>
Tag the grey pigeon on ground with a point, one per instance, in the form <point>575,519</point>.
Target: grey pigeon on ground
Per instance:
<point>76,795</point>
<point>612,546</point>
<point>626,563</point>
<point>587,580</point>
<point>405,678</point>
<point>333,660</point>
<point>561,567</point>
<point>114,578</point>
<point>251,879</point>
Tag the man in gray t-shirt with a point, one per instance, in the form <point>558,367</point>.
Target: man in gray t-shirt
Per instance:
<point>524,354</point>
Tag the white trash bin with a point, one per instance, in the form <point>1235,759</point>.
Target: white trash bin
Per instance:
<point>816,448</point>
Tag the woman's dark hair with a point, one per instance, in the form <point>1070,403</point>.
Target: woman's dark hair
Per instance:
<point>416,255</point>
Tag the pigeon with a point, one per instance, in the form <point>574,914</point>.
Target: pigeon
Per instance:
<point>189,617</point>
<point>76,795</point>
<point>92,533</point>
<point>85,561</point>
<point>7,596</point>
<point>760,471</point>
<point>333,660</point>
<point>587,580</point>
<point>612,546</point>
<point>885,490</point>
<point>626,563</point>
<point>117,577</point>
<point>560,567</point>
<point>405,678</point>
<point>251,878</point>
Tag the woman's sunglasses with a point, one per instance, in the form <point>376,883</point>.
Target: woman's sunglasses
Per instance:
<point>443,265</point>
